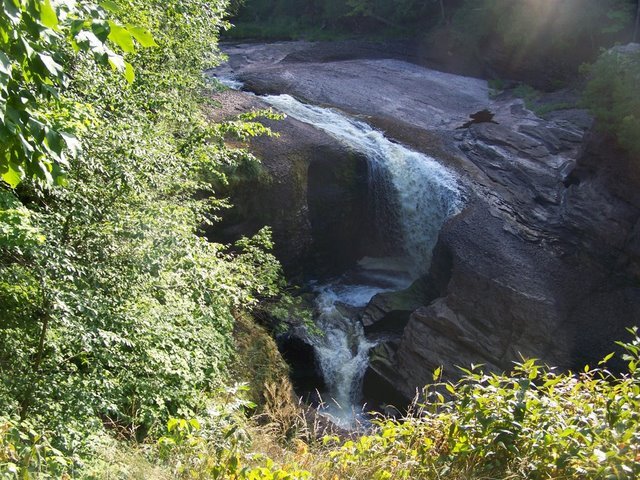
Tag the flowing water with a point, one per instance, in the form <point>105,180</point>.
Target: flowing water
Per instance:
<point>342,350</point>
<point>412,195</point>
<point>410,189</point>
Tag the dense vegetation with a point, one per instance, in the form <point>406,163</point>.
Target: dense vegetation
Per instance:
<point>532,423</point>
<point>517,24</point>
<point>116,313</point>
<point>612,95</point>
<point>117,317</point>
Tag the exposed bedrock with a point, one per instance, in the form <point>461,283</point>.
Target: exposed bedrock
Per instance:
<point>310,190</point>
<point>544,260</point>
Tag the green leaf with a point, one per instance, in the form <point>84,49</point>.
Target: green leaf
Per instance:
<point>48,15</point>
<point>142,35</point>
<point>54,141</point>
<point>50,64</point>
<point>121,37</point>
<point>117,62</point>
<point>5,64</point>
<point>62,180</point>
<point>110,6</point>
<point>12,11</point>
<point>86,40</point>
<point>12,176</point>
<point>101,29</point>
<point>72,142</point>
<point>129,73</point>
<point>606,358</point>
<point>172,424</point>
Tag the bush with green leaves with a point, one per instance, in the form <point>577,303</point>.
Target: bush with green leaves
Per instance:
<point>218,444</point>
<point>612,95</point>
<point>26,453</point>
<point>115,310</point>
<point>533,423</point>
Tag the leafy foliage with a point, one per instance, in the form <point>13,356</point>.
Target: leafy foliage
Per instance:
<point>517,25</point>
<point>532,424</point>
<point>520,25</point>
<point>25,453</point>
<point>288,18</point>
<point>612,96</point>
<point>116,312</point>
<point>217,446</point>
<point>37,41</point>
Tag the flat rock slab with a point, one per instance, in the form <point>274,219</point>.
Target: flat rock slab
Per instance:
<point>374,87</point>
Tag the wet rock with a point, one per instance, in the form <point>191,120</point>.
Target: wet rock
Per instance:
<point>300,356</point>
<point>379,388</point>
<point>389,311</point>
<point>309,190</point>
<point>544,259</point>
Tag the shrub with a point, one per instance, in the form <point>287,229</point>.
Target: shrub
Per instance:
<point>533,423</point>
<point>115,310</point>
<point>612,95</point>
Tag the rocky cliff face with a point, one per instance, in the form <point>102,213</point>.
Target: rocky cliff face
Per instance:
<point>309,190</point>
<point>544,261</point>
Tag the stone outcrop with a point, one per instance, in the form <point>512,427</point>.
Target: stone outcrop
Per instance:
<point>309,190</point>
<point>544,259</point>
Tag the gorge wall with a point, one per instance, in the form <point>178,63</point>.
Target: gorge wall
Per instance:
<point>543,261</point>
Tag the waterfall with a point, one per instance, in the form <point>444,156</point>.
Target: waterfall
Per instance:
<point>412,195</point>
<point>342,350</point>
<point>418,194</point>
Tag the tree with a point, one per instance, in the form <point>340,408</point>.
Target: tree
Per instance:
<point>636,30</point>
<point>612,96</point>
<point>37,41</point>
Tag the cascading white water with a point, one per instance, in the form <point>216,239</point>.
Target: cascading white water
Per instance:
<point>410,190</point>
<point>343,350</point>
<point>424,193</point>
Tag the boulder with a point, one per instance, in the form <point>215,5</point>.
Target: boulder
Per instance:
<point>390,311</point>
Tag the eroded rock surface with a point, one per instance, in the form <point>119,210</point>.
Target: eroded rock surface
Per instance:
<point>544,259</point>
<point>308,189</point>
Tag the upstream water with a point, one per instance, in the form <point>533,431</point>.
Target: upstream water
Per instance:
<point>412,195</point>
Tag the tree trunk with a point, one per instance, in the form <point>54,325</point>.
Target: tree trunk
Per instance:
<point>443,13</point>
<point>45,317</point>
